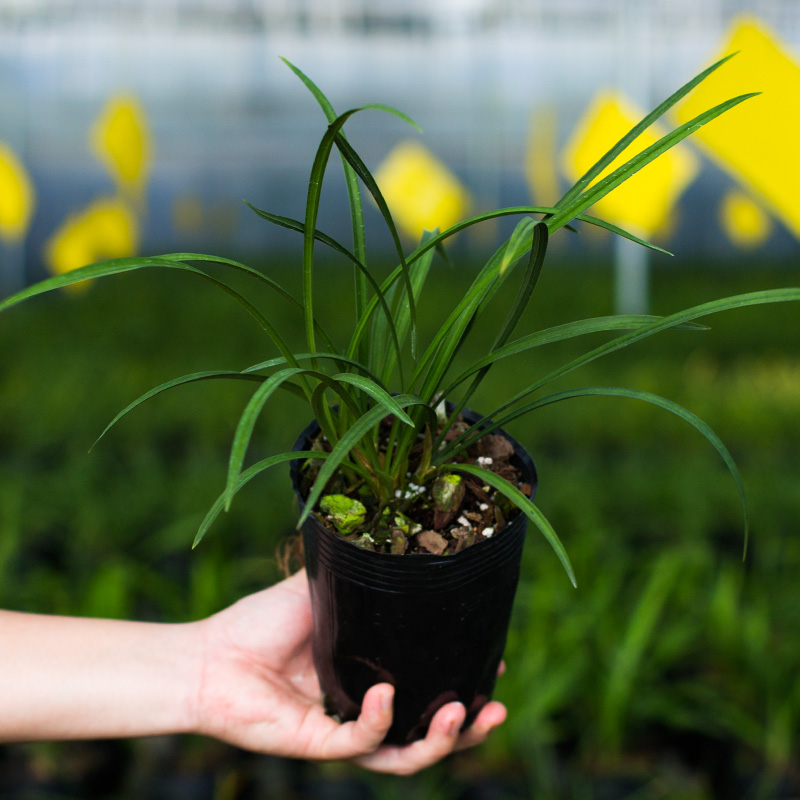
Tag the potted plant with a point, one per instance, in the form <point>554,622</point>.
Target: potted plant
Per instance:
<point>413,508</point>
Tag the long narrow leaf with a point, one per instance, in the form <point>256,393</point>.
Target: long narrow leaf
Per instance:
<point>122,265</point>
<point>516,211</point>
<point>653,399</point>
<point>401,314</point>
<point>244,478</point>
<point>296,225</point>
<point>375,391</point>
<point>621,174</point>
<point>366,176</point>
<point>354,198</point>
<point>280,361</point>
<point>182,381</point>
<point>525,505</point>
<point>764,297</point>
<point>244,430</point>
<point>313,200</point>
<point>607,159</point>
<point>559,333</point>
<point>616,230</point>
<point>239,267</point>
<point>444,345</point>
<point>253,273</point>
<point>531,278</point>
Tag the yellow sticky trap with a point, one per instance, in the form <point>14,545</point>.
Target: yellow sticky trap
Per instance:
<point>644,202</point>
<point>121,140</point>
<point>16,196</point>
<point>421,192</point>
<point>757,142</point>
<point>743,220</point>
<point>105,229</point>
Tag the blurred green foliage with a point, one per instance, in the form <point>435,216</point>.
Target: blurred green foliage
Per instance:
<point>672,671</point>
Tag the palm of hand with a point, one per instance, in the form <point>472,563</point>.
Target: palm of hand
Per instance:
<point>259,690</point>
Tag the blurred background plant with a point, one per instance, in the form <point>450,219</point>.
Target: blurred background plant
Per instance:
<point>673,670</point>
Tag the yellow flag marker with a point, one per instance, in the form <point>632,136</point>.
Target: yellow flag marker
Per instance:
<point>420,191</point>
<point>121,140</point>
<point>105,229</point>
<point>16,196</point>
<point>757,142</point>
<point>743,220</point>
<point>644,202</point>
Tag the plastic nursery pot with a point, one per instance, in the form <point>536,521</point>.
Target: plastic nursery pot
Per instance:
<point>434,627</point>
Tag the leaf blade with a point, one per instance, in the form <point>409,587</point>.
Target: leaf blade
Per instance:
<point>640,127</point>
<point>243,479</point>
<point>600,189</point>
<point>656,400</point>
<point>526,506</point>
<point>171,384</point>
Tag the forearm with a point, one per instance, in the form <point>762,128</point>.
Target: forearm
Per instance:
<point>72,678</point>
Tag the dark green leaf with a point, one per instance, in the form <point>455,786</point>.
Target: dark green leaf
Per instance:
<point>193,378</point>
<point>597,168</point>
<point>600,189</point>
<point>525,505</point>
<point>245,478</point>
<point>653,399</point>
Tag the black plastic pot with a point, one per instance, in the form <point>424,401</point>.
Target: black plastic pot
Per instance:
<point>434,627</point>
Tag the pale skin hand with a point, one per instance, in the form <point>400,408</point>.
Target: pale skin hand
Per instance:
<point>243,676</point>
<point>262,647</point>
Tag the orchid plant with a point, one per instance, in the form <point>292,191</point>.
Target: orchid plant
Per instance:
<point>389,443</point>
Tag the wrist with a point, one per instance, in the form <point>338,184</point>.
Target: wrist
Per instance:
<point>191,709</point>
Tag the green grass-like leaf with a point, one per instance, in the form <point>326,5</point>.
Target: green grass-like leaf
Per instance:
<point>354,198</point>
<point>535,263</point>
<point>244,430</point>
<point>366,176</point>
<point>525,505</point>
<point>653,399</point>
<point>123,265</point>
<point>391,359</point>
<point>570,210</point>
<point>559,333</point>
<point>638,129</point>
<point>182,381</point>
<point>313,200</point>
<point>292,224</point>
<point>671,321</point>
<point>243,479</point>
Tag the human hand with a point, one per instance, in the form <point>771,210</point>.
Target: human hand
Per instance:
<point>259,690</point>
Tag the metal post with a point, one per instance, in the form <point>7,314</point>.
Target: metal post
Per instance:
<point>631,262</point>
<point>631,278</point>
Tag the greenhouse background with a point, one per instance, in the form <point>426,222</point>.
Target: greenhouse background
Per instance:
<point>214,116</point>
<point>140,126</point>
